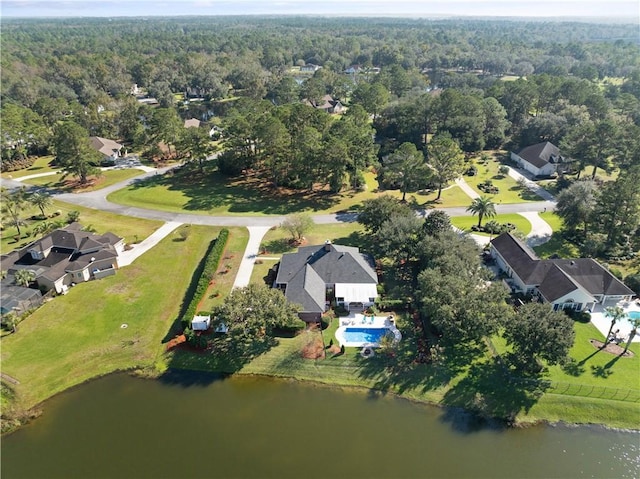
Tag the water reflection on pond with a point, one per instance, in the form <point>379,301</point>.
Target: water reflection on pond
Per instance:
<point>192,425</point>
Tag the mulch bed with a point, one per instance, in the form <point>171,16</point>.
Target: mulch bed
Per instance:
<point>611,348</point>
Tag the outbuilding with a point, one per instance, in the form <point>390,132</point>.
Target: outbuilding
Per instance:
<point>200,323</point>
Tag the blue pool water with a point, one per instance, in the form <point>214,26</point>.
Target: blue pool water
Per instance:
<point>634,314</point>
<point>364,335</point>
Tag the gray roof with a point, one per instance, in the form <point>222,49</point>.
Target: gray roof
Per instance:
<point>14,297</point>
<point>307,272</point>
<point>104,145</point>
<point>557,277</point>
<point>540,154</point>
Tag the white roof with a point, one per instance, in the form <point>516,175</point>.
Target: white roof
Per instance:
<point>200,323</point>
<point>356,292</point>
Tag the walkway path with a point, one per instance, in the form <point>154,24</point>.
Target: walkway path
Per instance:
<point>540,230</point>
<point>470,192</point>
<point>256,233</point>
<point>127,257</point>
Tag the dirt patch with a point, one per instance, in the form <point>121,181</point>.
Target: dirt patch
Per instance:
<point>313,349</point>
<point>611,348</point>
<point>175,342</point>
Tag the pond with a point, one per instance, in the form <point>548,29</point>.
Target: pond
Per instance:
<point>193,425</point>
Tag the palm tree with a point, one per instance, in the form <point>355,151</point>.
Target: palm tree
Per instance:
<point>43,228</point>
<point>483,207</point>
<point>41,200</point>
<point>615,314</point>
<point>23,277</point>
<point>635,323</point>
<point>13,203</point>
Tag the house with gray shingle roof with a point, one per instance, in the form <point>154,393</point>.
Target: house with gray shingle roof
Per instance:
<point>315,275</point>
<point>541,159</point>
<point>577,284</point>
<point>66,256</point>
<point>110,149</point>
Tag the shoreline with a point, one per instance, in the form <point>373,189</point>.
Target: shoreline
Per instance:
<point>28,415</point>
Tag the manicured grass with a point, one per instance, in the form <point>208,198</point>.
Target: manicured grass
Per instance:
<point>552,219</point>
<point>216,194</point>
<point>510,191</point>
<point>227,269</point>
<point>107,178</point>
<point>41,165</point>
<point>79,336</point>
<point>466,222</point>
<point>131,229</point>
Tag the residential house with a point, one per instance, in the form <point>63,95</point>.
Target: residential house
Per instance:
<point>192,123</point>
<point>577,284</point>
<point>328,104</point>
<point>541,159</point>
<point>310,67</point>
<point>65,257</point>
<point>110,149</point>
<point>315,275</point>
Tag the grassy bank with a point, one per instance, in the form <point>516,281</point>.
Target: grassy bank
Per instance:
<point>79,336</point>
<point>70,185</point>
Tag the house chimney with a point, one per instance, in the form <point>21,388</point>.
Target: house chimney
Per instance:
<point>327,245</point>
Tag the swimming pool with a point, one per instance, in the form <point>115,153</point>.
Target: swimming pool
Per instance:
<point>364,335</point>
<point>634,314</point>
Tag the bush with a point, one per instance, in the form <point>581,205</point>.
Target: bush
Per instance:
<point>391,304</point>
<point>633,282</point>
<point>211,260</point>
<point>17,161</point>
<point>73,216</point>
<point>503,170</point>
<point>471,171</point>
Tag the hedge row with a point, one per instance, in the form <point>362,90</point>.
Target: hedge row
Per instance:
<point>212,258</point>
<point>18,162</point>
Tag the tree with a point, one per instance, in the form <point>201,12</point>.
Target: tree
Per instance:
<point>251,314</point>
<point>436,222</point>
<point>537,332</point>
<point>378,210</point>
<point>372,96</point>
<point>297,225</point>
<point>166,126</point>
<point>576,205</point>
<point>24,277</point>
<point>196,145</point>
<point>635,324</point>
<point>42,200</point>
<point>398,237</point>
<point>11,321</point>
<point>446,159</point>
<point>615,313</point>
<point>13,203</point>
<point>483,207</point>
<point>405,168</point>
<point>74,151</point>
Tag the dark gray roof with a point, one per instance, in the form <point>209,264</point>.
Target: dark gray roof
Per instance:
<point>307,272</point>
<point>540,154</point>
<point>557,277</point>
<point>14,296</point>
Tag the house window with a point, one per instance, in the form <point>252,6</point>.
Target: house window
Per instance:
<point>340,300</point>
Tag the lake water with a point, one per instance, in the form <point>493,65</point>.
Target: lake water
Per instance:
<point>190,425</point>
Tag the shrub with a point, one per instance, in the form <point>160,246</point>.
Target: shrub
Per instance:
<point>211,260</point>
<point>633,282</point>
<point>391,304</point>
<point>73,216</point>
<point>503,170</point>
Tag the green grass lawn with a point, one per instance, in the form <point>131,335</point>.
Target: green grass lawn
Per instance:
<point>41,165</point>
<point>510,191</point>
<point>131,229</point>
<point>227,269</point>
<point>557,245</point>
<point>466,222</point>
<point>216,194</point>
<point>79,336</point>
<point>107,178</point>
<point>586,390</point>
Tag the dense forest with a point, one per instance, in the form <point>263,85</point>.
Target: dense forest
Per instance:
<point>414,92</point>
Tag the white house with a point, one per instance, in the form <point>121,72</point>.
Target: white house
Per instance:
<point>577,284</point>
<point>541,159</point>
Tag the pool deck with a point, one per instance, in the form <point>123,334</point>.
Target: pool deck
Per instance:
<point>359,320</point>
<point>602,323</point>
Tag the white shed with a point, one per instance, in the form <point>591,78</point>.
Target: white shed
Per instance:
<point>200,323</point>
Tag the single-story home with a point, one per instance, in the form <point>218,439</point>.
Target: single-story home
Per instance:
<point>315,275</point>
<point>66,256</point>
<point>328,104</point>
<point>577,284</point>
<point>310,67</point>
<point>192,123</point>
<point>110,149</point>
<point>541,159</point>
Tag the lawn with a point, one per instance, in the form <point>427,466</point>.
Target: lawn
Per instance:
<point>107,178</point>
<point>227,269</point>
<point>466,222</point>
<point>215,194</point>
<point>79,336</point>
<point>510,191</point>
<point>131,229</point>
<point>41,165</point>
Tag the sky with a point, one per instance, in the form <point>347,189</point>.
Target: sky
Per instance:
<point>628,10</point>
